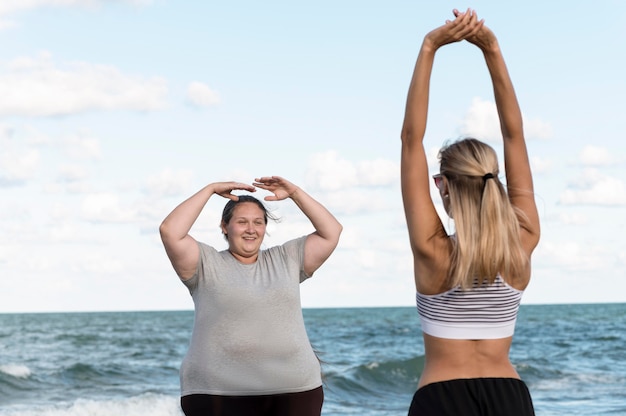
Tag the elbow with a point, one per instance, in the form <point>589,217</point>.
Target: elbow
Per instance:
<point>409,138</point>
<point>530,238</point>
<point>336,234</point>
<point>536,237</point>
<point>333,237</point>
<point>412,131</point>
<point>164,230</point>
<point>405,134</point>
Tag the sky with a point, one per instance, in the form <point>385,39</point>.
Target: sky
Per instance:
<point>112,112</point>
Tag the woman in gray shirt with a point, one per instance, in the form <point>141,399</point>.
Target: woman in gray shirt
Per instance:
<point>249,352</point>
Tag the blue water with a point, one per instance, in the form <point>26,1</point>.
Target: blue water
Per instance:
<point>573,358</point>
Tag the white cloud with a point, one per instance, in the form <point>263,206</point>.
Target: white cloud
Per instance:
<point>6,132</point>
<point>72,173</point>
<point>572,256</point>
<point>355,201</point>
<point>540,164</point>
<point>536,128</point>
<point>35,137</point>
<point>63,232</point>
<point>15,218</point>
<point>18,166</point>
<point>105,207</point>
<point>330,172</point>
<point>201,95</point>
<point>595,188</point>
<point>78,146</point>
<point>22,152</point>
<point>40,87</point>
<point>432,157</point>
<point>378,172</point>
<point>59,213</point>
<point>573,219</point>
<point>78,187</point>
<point>169,183</point>
<point>482,122</point>
<point>596,156</point>
<point>97,263</point>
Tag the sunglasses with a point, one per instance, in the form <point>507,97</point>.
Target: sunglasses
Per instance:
<point>438,178</point>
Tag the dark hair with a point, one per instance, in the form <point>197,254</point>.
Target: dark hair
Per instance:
<point>229,209</point>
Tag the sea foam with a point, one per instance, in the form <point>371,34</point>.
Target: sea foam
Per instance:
<point>16,370</point>
<point>152,404</point>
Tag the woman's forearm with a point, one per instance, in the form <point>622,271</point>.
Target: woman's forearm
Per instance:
<point>506,101</point>
<point>416,111</point>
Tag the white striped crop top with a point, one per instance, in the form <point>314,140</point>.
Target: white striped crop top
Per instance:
<point>486,311</point>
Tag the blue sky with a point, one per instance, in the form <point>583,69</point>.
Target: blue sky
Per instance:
<point>112,112</point>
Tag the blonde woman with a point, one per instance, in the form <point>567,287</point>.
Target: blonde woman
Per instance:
<point>469,284</point>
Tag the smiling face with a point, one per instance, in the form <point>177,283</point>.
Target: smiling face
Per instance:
<point>245,231</point>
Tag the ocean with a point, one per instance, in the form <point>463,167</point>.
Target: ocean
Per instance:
<point>573,358</point>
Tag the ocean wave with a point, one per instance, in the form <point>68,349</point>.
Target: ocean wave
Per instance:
<point>377,378</point>
<point>15,380</point>
<point>88,372</point>
<point>152,404</point>
<point>16,370</point>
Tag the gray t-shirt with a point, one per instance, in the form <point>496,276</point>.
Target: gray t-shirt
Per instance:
<point>249,336</point>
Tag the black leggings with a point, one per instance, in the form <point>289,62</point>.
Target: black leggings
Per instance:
<point>473,397</point>
<point>306,403</point>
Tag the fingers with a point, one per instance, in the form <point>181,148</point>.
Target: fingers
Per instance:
<point>240,186</point>
<point>224,189</point>
<point>270,179</point>
<point>469,24</point>
<point>458,13</point>
<point>272,182</point>
<point>228,195</point>
<point>265,182</point>
<point>281,188</point>
<point>476,28</point>
<point>463,24</point>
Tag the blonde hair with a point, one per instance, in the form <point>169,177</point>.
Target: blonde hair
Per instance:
<point>487,226</point>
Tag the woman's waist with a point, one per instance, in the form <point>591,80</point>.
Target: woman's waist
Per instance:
<point>436,370</point>
<point>249,371</point>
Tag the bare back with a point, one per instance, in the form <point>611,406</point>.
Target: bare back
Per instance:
<point>448,359</point>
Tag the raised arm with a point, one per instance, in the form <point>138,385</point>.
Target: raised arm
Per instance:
<point>426,231</point>
<point>322,242</point>
<point>517,167</point>
<point>182,249</point>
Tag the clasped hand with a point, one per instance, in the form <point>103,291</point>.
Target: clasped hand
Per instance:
<point>465,26</point>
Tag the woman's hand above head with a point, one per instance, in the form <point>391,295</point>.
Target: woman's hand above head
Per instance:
<point>182,249</point>
<point>466,24</point>
<point>322,242</point>
<point>280,187</point>
<point>225,189</point>
<point>483,37</point>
